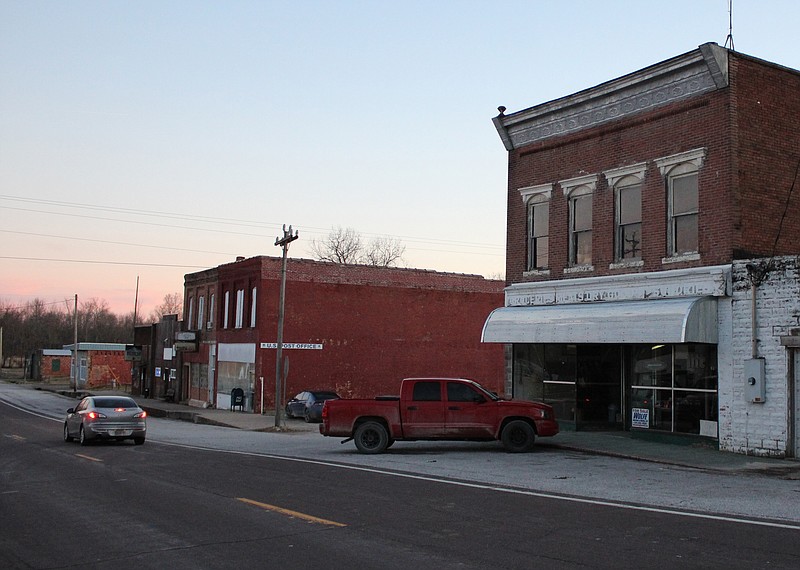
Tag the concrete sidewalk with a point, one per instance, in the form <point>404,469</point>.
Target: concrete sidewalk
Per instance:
<point>613,444</point>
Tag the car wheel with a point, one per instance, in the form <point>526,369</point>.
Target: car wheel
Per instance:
<point>518,436</point>
<point>307,417</point>
<point>288,412</point>
<point>67,437</point>
<point>82,437</point>
<point>371,437</point>
<point>138,440</point>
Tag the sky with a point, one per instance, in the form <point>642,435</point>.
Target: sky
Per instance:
<point>140,141</point>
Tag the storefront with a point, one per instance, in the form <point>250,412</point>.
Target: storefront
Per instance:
<point>633,352</point>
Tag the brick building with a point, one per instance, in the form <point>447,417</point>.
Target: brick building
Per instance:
<point>355,329</point>
<point>634,211</point>
<point>101,365</point>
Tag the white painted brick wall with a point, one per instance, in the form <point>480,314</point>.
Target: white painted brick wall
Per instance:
<point>744,427</point>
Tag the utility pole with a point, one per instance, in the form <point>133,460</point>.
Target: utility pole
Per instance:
<point>284,242</point>
<point>75,367</point>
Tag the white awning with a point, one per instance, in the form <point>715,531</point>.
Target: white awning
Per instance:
<point>681,320</point>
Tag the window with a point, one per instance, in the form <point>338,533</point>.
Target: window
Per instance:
<point>580,231</point>
<point>427,392</point>
<point>626,182</point>
<point>457,392</point>
<point>211,311</point>
<point>683,210</point>
<point>190,315</point>
<point>683,203</point>
<point>253,309</point>
<point>537,203</point>
<point>226,307</point>
<point>538,233</point>
<point>239,308</point>
<point>629,220</point>
<point>201,306</point>
<point>579,194</point>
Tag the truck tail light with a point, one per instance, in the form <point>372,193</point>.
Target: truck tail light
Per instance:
<point>325,411</point>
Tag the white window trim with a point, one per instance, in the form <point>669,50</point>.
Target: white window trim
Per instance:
<point>695,157</point>
<point>226,307</point>
<point>585,184</point>
<point>616,174</point>
<point>529,192</point>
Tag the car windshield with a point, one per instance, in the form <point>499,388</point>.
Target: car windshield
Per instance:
<point>114,403</point>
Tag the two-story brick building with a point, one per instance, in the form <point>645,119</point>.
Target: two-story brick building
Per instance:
<point>635,209</point>
<point>355,329</point>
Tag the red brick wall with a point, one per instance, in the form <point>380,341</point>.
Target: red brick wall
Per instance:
<point>701,122</point>
<point>767,104</point>
<point>750,131</point>
<point>376,325</point>
<point>50,375</point>
<point>108,369</point>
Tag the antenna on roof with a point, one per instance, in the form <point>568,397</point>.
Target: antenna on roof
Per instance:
<point>730,26</point>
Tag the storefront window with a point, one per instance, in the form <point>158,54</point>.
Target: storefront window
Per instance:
<point>672,387</point>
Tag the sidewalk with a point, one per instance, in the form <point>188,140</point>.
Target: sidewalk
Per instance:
<point>612,444</point>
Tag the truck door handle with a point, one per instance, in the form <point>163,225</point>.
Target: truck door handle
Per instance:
<point>412,408</point>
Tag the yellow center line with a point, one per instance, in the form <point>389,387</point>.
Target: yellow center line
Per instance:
<point>287,512</point>
<point>90,458</point>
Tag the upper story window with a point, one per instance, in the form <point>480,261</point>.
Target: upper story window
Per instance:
<point>201,307</point>
<point>239,308</point>
<point>190,312</point>
<point>211,311</point>
<point>579,192</point>
<point>225,309</point>
<point>683,207</point>
<point>626,183</point>
<point>253,309</point>
<point>537,202</point>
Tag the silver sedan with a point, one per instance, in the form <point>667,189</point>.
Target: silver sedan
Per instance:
<point>106,417</point>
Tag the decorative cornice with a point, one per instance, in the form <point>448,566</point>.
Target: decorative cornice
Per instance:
<point>699,71</point>
<point>614,175</point>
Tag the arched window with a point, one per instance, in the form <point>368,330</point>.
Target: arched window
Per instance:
<point>680,172</point>
<point>628,219</point>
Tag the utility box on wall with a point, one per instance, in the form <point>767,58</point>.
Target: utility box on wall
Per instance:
<point>755,390</point>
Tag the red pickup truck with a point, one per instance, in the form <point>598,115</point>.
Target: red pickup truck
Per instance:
<point>437,409</point>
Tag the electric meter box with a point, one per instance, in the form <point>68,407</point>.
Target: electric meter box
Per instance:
<point>755,385</point>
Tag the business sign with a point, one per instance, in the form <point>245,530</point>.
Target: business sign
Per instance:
<point>292,345</point>
<point>640,418</point>
<point>133,353</point>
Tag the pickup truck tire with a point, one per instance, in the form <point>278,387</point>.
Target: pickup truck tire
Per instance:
<point>371,437</point>
<point>518,436</point>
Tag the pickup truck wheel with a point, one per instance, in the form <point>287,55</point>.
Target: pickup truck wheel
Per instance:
<point>371,437</point>
<point>518,436</point>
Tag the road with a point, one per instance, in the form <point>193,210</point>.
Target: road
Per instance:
<point>206,497</point>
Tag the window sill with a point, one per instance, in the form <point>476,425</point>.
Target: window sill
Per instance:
<point>578,269</point>
<point>680,258</point>
<point>626,264</point>
<point>536,273</point>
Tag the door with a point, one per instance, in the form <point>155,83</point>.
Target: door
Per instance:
<point>794,411</point>
<point>423,415</point>
<point>468,414</point>
<point>599,387</point>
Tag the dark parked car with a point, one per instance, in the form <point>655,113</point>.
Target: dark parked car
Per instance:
<point>106,417</point>
<point>308,404</point>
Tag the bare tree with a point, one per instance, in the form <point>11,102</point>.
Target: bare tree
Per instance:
<point>172,305</point>
<point>384,252</point>
<point>346,246</point>
<point>340,246</point>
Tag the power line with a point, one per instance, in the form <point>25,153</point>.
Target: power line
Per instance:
<point>224,221</point>
<point>97,262</point>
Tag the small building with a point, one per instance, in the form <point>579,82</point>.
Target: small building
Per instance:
<point>51,365</point>
<point>651,241</point>
<point>354,329</point>
<point>100,365</point>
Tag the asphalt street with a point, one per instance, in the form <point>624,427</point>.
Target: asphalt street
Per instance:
<point>215,503</point>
